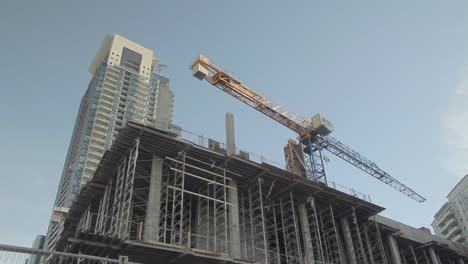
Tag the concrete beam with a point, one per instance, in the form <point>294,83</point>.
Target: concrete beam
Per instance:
<point>154,201</point>
<point>306,237</point>
<point>348,240</point>
<point>394,251</point>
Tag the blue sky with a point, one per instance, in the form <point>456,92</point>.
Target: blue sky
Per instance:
<point>392,76</point>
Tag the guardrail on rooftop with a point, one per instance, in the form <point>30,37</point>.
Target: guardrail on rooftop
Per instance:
<point>209,143</point>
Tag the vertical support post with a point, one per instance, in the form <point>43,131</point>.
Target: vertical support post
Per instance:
<point>414,255</point>
<point>265,241</point>
<point>370,251</point>
<point>244,230</point>
<point>226,218</point>
<point>181,228</point>
<point>348,240</point>
<point>394,251</point>
<point>234,229</point>
<point>403,257</point>
<point>215,227</point>
<point>285,235</point>
<point>252,231</point>
<point>434,258</point>
<point>230,135</point>
<point>127,194</point>
<point>165,217</point>
<point>123,260</point>
<point>278,254</point>
<point>306,237</point>
<point>425,256</point>
<point>360,251</point>
<point>153,207</point>
<point>296,229</point>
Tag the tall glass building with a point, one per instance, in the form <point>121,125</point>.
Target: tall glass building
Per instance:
<point>39,244</point>
<point>125,85</point>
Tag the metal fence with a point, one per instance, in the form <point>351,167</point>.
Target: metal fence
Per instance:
<point>10,254</point>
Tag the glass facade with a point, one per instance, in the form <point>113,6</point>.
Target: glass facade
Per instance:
<point>116,93</point>
<point>39,244</point>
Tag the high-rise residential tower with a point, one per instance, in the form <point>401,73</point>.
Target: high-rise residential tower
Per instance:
<point>37,244</point>
<point>125,85</point>
<point>451,221</point>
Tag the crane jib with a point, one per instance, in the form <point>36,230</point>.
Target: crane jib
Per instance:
<point>313,133</point>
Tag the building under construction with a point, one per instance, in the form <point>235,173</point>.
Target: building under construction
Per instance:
<point>150,193</point>
<point>160,198</point>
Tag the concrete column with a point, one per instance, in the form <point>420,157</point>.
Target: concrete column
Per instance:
<point>230,135</point>
<point>394,251</point>
<point>154,201</point>
<point>306,237</point>
<point>460,261</point>
<point>348,240</point>
<point>434,258</point>
<point>203,240</point>
<point>234,228</point>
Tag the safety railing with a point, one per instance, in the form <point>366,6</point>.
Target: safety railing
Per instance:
<point>218,146</point>
<point>10,254</point>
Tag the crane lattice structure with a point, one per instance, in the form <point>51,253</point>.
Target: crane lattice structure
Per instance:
<point>313,133</point>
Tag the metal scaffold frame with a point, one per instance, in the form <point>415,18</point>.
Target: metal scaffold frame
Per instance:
<point>422,257</point>
<point>408,256</point>
<point>315,231</point>
<point>357,239</point>
<point>254,230</point>
<point>179,225</point>
<point>373,244</point>
<point>194,212</point>
<point>333,249</point>
<point>113,215</point>
<point>292,241</point>
<point>225,208</point>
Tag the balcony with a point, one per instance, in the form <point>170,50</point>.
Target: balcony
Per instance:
<point>445,227</point>
<point>447,215</point>
<point>453,232</point>
<point>458,238</point>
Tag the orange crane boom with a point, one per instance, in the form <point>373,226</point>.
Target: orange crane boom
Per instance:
<point>227,83</point>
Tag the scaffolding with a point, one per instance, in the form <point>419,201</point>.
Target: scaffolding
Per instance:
<point>374,247</point>
<point>194,212</point>
<point>333,250</point>
<point>315,231</point>
<point>209,205</point>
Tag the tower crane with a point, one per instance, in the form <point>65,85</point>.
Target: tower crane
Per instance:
<point>313,133</point>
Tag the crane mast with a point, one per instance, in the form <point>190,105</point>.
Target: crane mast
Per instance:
<point>313,133</point>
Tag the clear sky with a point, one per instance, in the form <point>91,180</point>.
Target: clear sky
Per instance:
<point>392,76</point>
